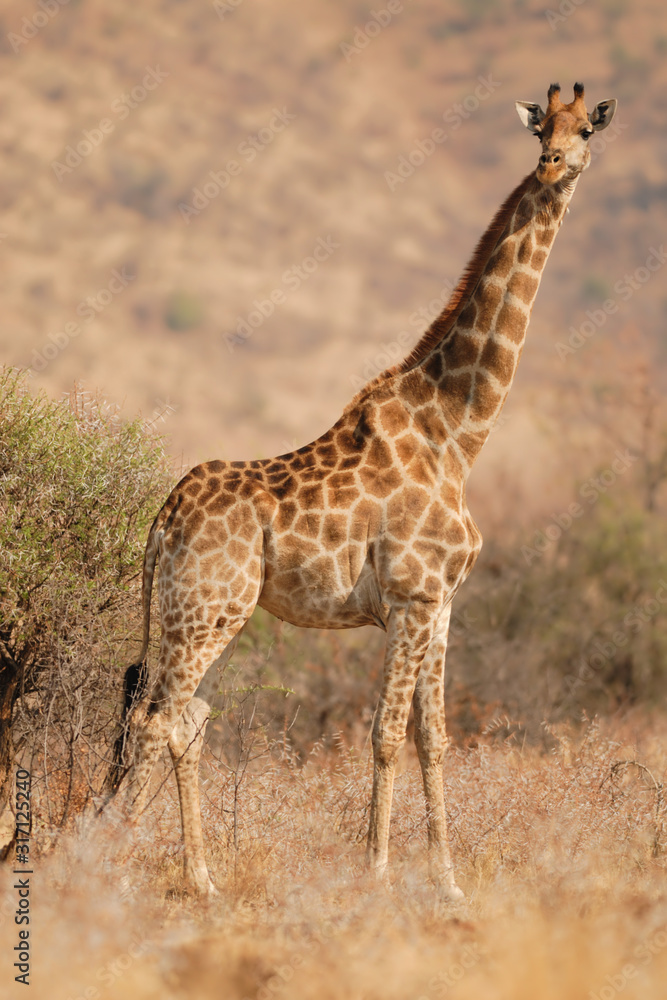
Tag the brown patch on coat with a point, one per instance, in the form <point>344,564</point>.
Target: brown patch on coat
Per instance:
<point>471,442</point>
<point>416,390</point>
<point>486,399</point>
<point>454,394</point>
<point>498,360</point>
<point>455,565</point>
<point>380,483</point>
<point>393,417</point>
<point>406,447</point>
<point>434,525</point>
<point>379,455</point>
<point>460,351</point>
<point>489,302</point>
<point>512,321</point>
<point>308,525</point>
<point>524,286</point>
<point>285,515</point>
<point>430,425</point>
<point>423,468</point>
<point>539,259</point>
<point>311,496</point>
<point>334,530</point>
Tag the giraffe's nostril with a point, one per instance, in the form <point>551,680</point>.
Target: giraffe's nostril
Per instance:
<point>556,158</point>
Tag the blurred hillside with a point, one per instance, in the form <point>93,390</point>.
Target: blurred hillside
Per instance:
<point>113,118</point>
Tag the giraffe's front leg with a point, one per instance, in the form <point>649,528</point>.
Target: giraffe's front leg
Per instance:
<point>431,743</point>
<point>409,634</point>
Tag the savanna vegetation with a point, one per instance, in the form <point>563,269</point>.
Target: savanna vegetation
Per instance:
<point>78,491</point>
<point>554,780</point>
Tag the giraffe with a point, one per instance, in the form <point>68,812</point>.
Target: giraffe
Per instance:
<point>366,525</point>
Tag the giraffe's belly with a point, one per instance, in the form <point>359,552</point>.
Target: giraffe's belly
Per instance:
<point>357,584</point>
<point>324,594</point>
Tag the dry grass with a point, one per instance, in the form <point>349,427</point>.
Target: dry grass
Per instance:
<point>561,855</point>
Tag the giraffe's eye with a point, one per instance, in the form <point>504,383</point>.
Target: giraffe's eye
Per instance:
<point>587,134</point>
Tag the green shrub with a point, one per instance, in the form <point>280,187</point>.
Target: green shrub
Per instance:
<point>78,491</point>
<point>184,311</point>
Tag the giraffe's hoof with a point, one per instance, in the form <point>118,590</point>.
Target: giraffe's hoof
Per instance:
<point>379,873</point>
<point>445,886</point>
<point>201,886</point>
<point>449,892</point>
<point>126,887</point>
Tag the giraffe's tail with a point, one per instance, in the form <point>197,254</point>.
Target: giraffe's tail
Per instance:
<point>136,681</point>
<point>136,675</point>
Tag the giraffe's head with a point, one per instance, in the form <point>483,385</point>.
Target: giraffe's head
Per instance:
<point>564,131</point>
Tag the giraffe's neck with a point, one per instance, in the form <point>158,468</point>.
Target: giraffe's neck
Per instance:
<point>471,351</point>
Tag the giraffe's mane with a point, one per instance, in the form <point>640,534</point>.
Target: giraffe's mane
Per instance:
<point>468,281</point>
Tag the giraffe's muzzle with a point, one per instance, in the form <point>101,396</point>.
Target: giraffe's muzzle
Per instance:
<point>551,167</point>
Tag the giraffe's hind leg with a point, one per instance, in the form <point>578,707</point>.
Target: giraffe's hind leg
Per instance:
<point>211,575</point>
<point>181,666</point>
<point>185,746</point>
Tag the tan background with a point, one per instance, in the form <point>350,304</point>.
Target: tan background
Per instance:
<point>322,176</point>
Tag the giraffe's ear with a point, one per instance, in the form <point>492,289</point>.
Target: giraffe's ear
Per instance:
<point>602,114</point>
<point>531,115</point>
